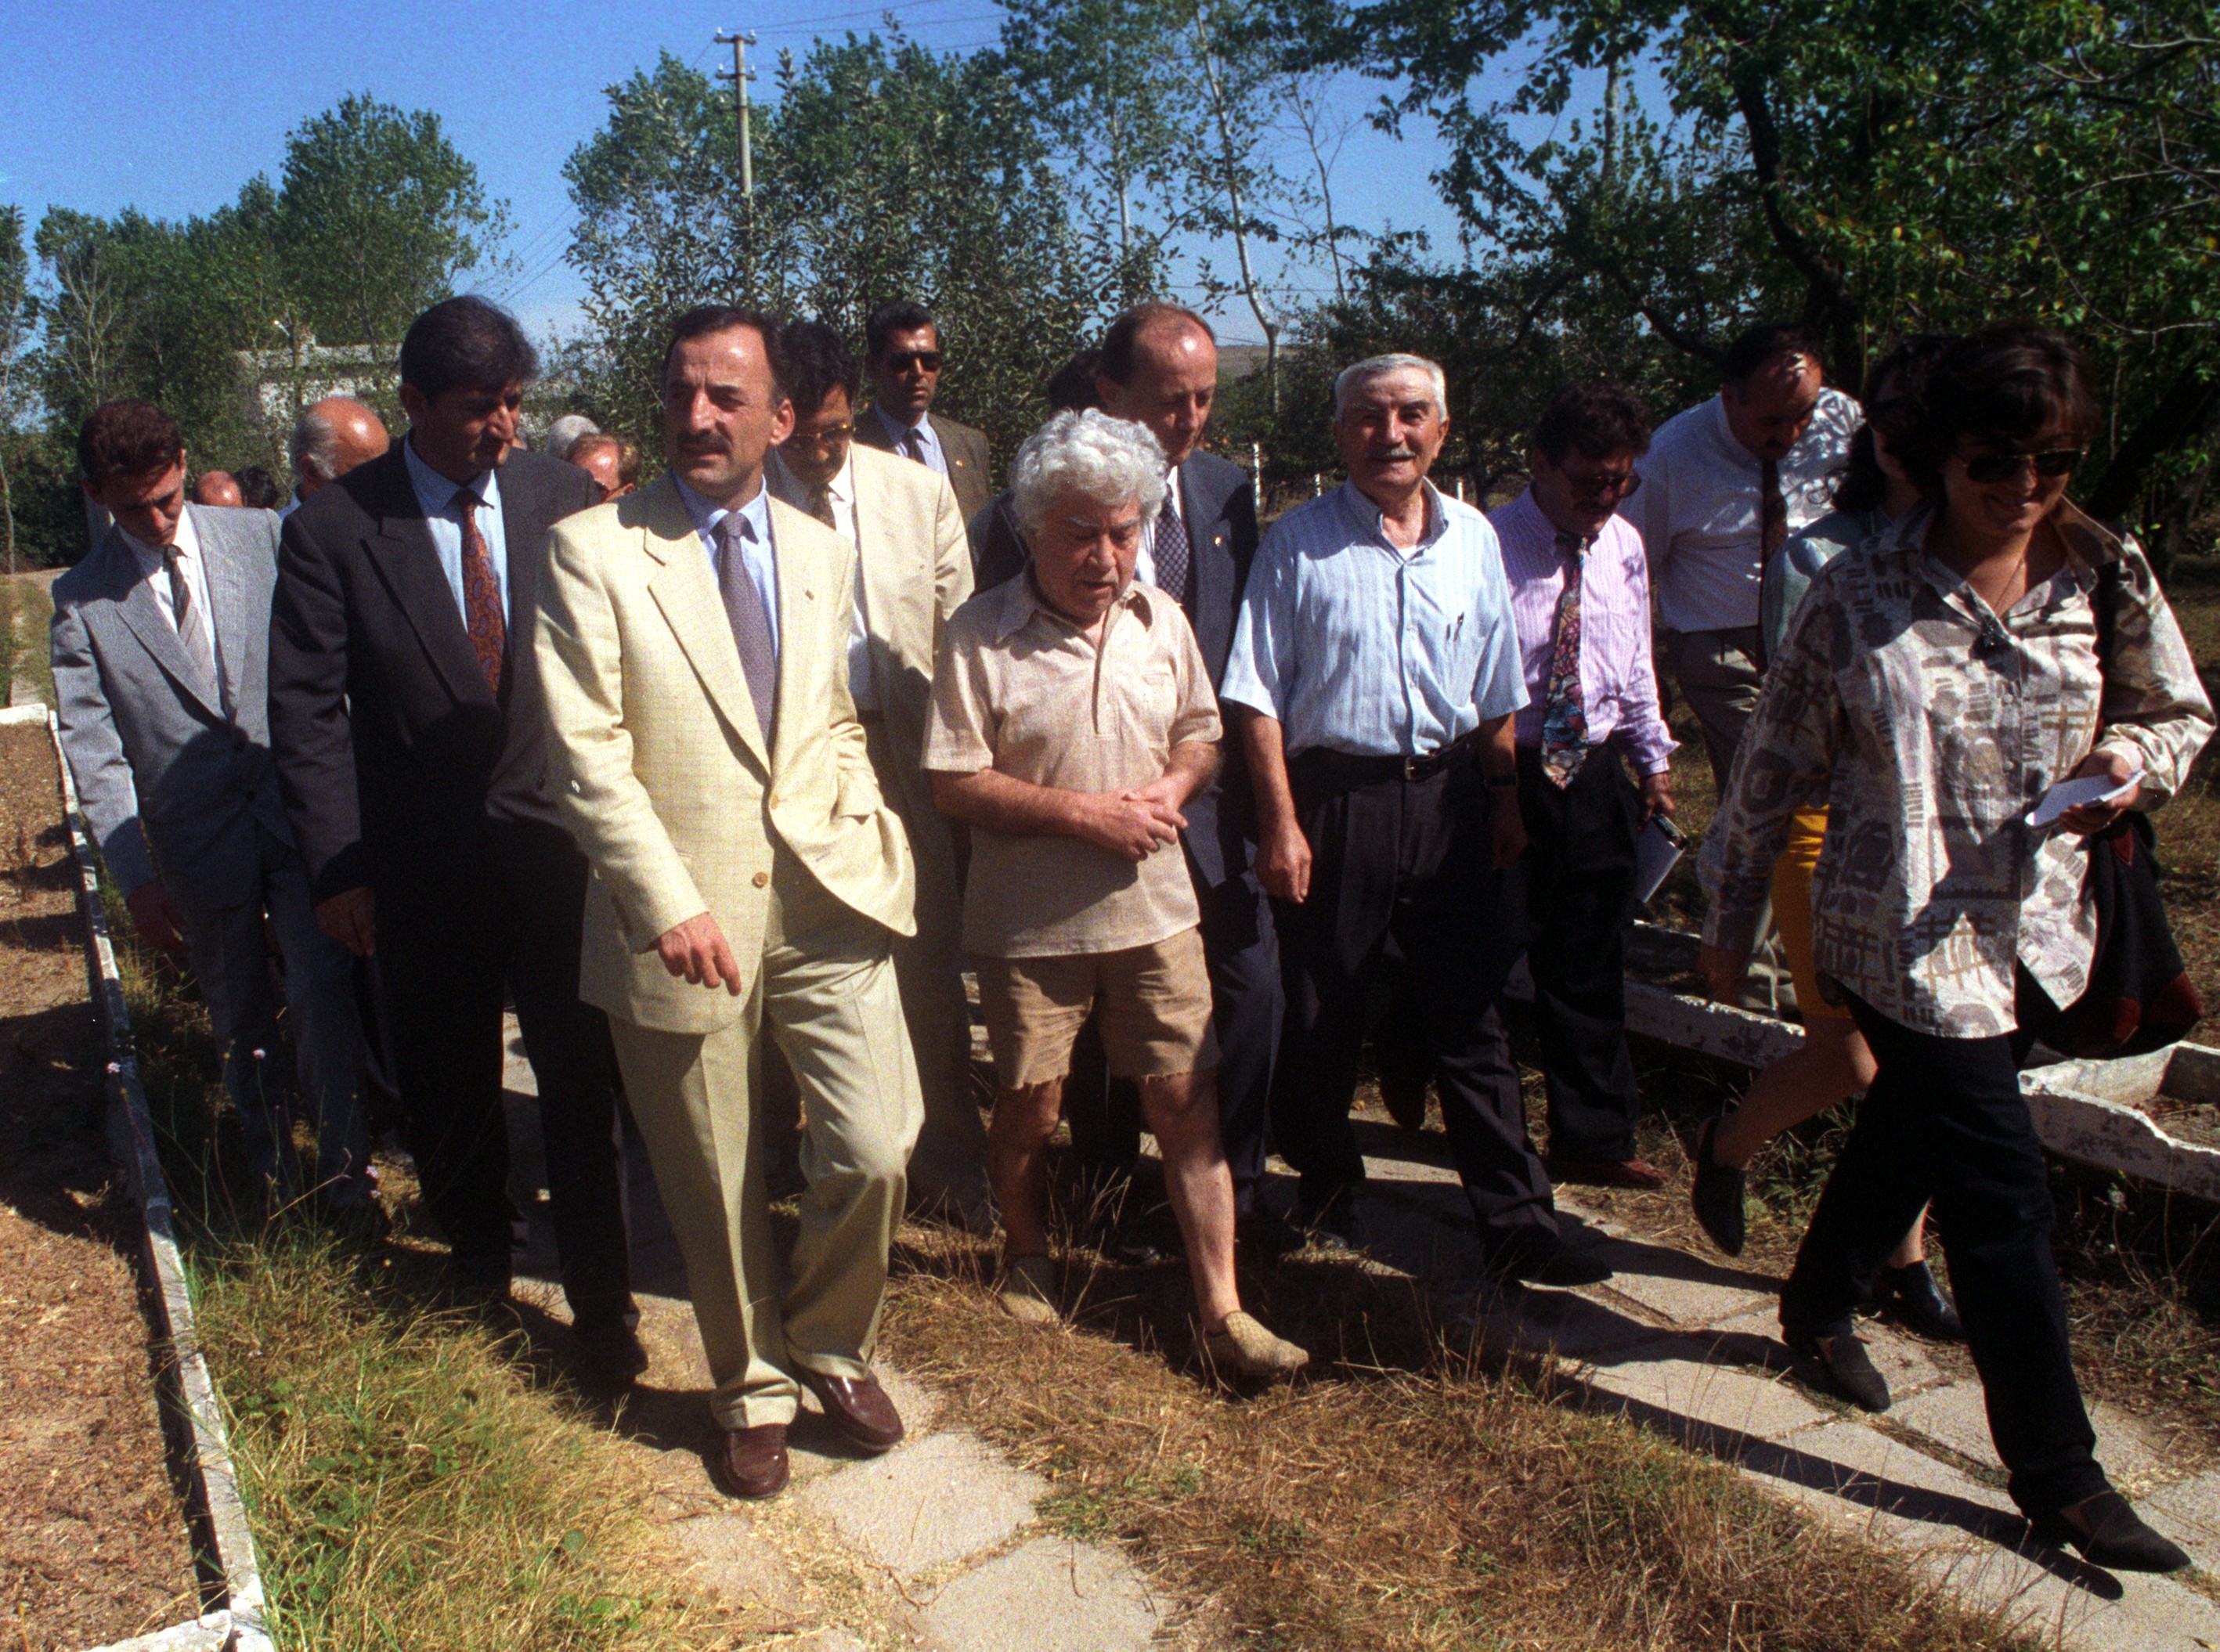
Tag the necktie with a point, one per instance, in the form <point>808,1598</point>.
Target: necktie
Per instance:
<point>481,595</point>
<point>913,445</point>
<point>822,510</point>
<point>192,628</point>
<point>751,622</point>
<point>1170,551</point>
<point>1773,513</point>
<point>1564,713</point>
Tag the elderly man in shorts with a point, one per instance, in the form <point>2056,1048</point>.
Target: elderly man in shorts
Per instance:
<point>1072,718</point>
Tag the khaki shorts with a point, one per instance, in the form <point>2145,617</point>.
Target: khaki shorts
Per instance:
<point>1154,1003</point>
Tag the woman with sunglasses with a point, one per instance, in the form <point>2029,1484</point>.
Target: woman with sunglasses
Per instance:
<point>1932,688</point>
<point>1833,1064</point>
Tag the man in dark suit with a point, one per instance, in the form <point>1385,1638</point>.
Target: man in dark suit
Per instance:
<point>902,354</point>
<point>409,740</point>
<point>1159,368</point>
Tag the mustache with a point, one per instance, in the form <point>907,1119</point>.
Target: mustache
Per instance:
<point>705,445</point>
<point>1389,455</point>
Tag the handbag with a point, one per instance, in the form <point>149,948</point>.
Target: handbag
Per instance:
<point>2140,997</point>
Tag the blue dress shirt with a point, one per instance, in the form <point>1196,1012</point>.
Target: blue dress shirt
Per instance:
<point>436,495</point>
<point>757,554</point>
<point>1358,646</point>
<point>926,435</point>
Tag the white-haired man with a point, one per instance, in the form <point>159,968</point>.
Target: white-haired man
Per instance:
<point>1377,664</point>
<point>1072,719</point>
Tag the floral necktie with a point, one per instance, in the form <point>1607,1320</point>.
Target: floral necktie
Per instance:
<point>1564,714</point>
<point>481,595</point>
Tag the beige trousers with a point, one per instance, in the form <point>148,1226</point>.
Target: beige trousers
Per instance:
<point>951,1160</point>
<point>825,993</point>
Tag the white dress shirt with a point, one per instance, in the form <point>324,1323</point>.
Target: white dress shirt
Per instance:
<point>1697,507</point>
<point>190,562</point>
<point>435,494</point>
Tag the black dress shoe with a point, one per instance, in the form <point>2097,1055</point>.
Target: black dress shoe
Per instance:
<point>1544,1259</point>
<point>1716,1195</point>
<point>1911,1298</point>
<point>2109,1533</point>
<point>1131,1242</point>
<point>1329,1225</point>
<point>1849,1370</point>
<point>610,1351</point>
<point>1404,1098</point>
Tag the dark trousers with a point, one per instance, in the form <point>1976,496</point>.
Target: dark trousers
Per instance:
<point>502,918</point>
<point>1404,901</point>
<point>1944,1122</point>
<point>1578,871</point>
<point>1243,950</point>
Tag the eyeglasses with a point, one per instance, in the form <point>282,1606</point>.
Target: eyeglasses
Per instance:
<point>830,437</point>
<point>898,361</point>
<point>2003,467</point>
<point>1621,485</point>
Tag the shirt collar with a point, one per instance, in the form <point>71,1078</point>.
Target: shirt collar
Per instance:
<point>1022,600</point>
<point>1371,522</point>
<point>755,515</point>
<point>436,493</point>
<point>1536,521</point>
<point>841,489</point>
<point>897,430</point>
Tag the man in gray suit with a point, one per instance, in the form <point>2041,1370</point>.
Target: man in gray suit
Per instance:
<point>161,642</point>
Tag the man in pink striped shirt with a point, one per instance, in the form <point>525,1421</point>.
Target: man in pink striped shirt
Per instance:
<point>1580,597</point>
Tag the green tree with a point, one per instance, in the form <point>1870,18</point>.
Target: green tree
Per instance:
<point>19,315</point>
<point>377,217</point>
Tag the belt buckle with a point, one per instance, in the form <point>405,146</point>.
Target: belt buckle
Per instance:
<point>1411,768</point>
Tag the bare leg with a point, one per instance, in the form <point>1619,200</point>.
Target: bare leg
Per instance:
<point>1833,1064</point>
<point>1182,1113</point>
<point>1017,1162</point>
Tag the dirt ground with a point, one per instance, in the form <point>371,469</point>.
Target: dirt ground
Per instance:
<point>93,1545</point>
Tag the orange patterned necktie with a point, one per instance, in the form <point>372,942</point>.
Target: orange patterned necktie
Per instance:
<point>481,595</point>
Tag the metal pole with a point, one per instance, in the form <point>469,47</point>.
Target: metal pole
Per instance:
<point>739,77</point>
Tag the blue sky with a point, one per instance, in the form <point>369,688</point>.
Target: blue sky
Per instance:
<point>170,109</point>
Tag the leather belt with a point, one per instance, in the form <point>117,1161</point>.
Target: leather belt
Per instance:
<point>1344,770</point>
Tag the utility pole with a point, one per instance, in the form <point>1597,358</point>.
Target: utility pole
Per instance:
<point>739,77</point>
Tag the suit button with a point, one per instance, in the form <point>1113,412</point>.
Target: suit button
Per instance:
<point>763,879</point>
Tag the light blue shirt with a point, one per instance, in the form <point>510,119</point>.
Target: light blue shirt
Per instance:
<point>436,495</point>
<point>757,554</point>
<point>1356,646</point>
<point>926,435</point>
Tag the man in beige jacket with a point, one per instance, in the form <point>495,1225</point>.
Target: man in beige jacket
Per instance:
<point>748,877</point>
<point>913,570</point>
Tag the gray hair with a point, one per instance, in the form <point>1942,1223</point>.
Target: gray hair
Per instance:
<point>1372,367</point>
<point>1105,460</point>
<point>566,432</point>
<point>314,446</point>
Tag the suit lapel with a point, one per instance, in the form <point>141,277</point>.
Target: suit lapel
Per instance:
<point>877,522</point>
<point>685,590</point>
<point>1211,556</point>
<point>807,565</point>
<point>142,611</point>
<point>524,538</point>
<point>401,549</point>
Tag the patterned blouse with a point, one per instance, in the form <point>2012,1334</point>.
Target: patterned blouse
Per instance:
<point>1929,728</point>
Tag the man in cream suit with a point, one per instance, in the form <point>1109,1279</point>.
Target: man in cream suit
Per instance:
<point>747,877</point>
<point>913,570</point>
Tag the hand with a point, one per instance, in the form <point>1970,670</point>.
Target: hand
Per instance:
<point>160,921</point>
<point>351,919</point>
<point>1506,829</point>
<point>697,950</point>
<point>1168,791</point>
<point>1723,972</point>
<point>1656,797</point>
<point>1283,862</point>
<point>2095,816</point>
<point>1129,824</point>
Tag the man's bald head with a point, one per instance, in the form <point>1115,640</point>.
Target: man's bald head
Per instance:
<point>331,438</point>
<point>216,487</point>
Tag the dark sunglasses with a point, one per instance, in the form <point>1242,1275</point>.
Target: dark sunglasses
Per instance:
<point>900,360</point>
<point>2003,467</point>
<point>1622,486</point>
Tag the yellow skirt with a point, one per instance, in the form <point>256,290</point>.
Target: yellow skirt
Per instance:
<point>1792,911</point>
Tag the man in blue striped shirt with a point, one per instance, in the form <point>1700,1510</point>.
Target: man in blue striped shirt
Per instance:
<point>1377,668</point>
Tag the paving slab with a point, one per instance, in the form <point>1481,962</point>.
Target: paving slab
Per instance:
<point>926,1502</point>
<point>2189,1512</point>
<point>1048,1595</point>
<point>726,1558</point>
<point>1716,1408</point>
<point>1954,1416</point>
<point>1680,1289</point>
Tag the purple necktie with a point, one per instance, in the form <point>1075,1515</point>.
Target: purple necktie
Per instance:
<point>1170,551</point>
<point>751,622</point>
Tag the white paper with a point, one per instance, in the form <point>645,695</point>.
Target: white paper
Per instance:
<point>2073,793</point>
<point>1657,849</point>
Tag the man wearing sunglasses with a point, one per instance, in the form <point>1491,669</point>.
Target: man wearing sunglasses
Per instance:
<point>1724,485</point>
<point>902,350</point>
<point>913,571</point>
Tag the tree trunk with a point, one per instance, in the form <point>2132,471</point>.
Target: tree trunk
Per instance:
<point>2186,496</point>
<point>2186,407</point>
<point>1249,287</point>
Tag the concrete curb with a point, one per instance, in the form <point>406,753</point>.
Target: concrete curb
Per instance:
<point>239,1625</point>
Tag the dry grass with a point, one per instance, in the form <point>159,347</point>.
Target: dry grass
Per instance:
<point>25,608</point>
<point>1406,1498</point>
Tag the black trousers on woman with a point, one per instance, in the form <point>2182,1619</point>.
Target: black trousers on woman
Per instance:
<point>1944,1122</point>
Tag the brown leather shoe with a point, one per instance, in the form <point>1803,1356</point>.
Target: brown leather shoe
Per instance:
<point>859,1408</point>
<point>754,1460</point>
<point>1637,1174</point>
